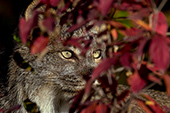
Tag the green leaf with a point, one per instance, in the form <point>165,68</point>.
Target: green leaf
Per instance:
<point>120,14</point>
<point>17,38</point>
<point>126,22</point>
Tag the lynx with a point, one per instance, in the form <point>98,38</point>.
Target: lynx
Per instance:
<point>58,76</point>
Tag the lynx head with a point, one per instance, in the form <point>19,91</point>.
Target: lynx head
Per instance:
<point>57,76</point>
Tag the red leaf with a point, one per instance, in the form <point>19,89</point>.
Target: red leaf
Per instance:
<point>77,42</point>
<point>26,26</point>
<point>154,105</point>
<point>23,32</point>
<point>101,108</point>
<point>143,46</point>
<point>91,108</point>
<point>139,15</point>
<point>104,6</point>
<point>52,3</point>
<point>2,110</point>
<point>49,23</point>
<point>159,52</point>
<point>159,23</point>
<point>154,79</point>
<point>88,86</point>
<point>150,106</point>
<point>105,84</point>
<point>132,5</point>
<point>126,60</point>
<point>39,44</point>
<point>76,102</point>
<point>143,106</point>
<point>116,24</point>
<point>123,95</point>
<point>132,32</point>
<point>45,2</point>
<point>77,26</point>
<point>103,66</point>
<point>166,79</point>
<point>136,82</point>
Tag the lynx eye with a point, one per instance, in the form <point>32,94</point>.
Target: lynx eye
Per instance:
<point>67,54</point>
<point>97,54</point>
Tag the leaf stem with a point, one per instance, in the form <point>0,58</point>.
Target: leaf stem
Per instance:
<point>168,33</point>
<point>162,5</point>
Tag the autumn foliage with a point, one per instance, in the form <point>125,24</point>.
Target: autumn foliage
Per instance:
<point>135,35</point>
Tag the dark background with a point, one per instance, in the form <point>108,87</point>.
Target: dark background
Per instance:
<point>10,11</point>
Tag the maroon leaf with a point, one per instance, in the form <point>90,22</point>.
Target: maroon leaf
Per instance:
<point>102,108</point>
<point>153,105</point>
<point>49,23</point>
<point>104,6</point>
<point>154,79</point>
<point>52,3</point>
<point>144,72</point>
<point>159,23</point>
<point>116,24</point>
<point>23,32</point>
<point>166,79</point>
<point>2,110</point>
<point>91,108</point>
<point>77,42</point>
<point>76,102</point>
<point>88,86</point>
<point>128,6</point>
<point>144,106</point>
<point>126,60</point>
<point>132,33</point>
<point>123,95</point>
<point>143,46</point>
<point>136,82</point>
<point>108,87</point>
<point>39,44</point>
<point>26,26</point>
<point>77,26</point>
<point>103,66</point>
<point>150,106</point>
<point>159,52</point>
<point>144,12</point>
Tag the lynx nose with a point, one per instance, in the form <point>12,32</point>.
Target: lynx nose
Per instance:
<point>88,74</point>
<point>90,71</point>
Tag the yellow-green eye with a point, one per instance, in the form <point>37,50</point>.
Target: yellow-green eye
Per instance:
<point>67,54</point>
<point>97,54</point>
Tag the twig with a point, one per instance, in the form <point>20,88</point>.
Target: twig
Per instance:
<point>168,33</point>
<point>162,5</point>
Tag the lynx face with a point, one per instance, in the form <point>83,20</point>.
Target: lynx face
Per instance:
<point>58,75</point>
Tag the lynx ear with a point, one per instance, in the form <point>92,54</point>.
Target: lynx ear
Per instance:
<point>28,11</point>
